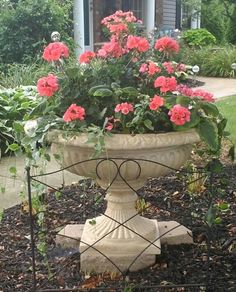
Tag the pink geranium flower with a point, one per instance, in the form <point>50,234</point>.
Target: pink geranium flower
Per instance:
<point>55,51</point>
<point>112,49</point>
<point>124,108</point>
<point>204,95</point>
<point>86,57</point>
<point>179,115</point>
<point>165,83</point>
<point>156,102</point>
<point>169,67</point>
<point>153,68</point>
<point>167,44</point>
<point>47,86</point>
<point>138,43</point>
<point>74,112</point>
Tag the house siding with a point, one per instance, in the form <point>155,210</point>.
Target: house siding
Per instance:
<point>169,13</point>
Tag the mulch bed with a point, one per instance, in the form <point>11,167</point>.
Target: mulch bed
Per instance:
<point>210,261</point>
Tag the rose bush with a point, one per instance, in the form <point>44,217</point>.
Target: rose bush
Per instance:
<point>130,85</point>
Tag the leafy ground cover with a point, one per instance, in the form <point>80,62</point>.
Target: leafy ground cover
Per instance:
<point>227,107</point>
<point>209,262</point>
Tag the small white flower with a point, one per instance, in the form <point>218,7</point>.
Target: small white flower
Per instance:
<point>195,69</point>
<point>30,127</point>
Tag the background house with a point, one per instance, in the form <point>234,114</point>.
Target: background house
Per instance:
<point>160,14</point>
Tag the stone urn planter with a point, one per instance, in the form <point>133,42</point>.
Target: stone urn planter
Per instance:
<point>121,239</point>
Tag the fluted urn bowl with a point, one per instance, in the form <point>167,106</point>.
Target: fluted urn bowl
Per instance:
<point>129,240</point>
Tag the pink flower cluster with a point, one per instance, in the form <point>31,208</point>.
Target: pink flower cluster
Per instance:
<point>200,93</point>
<point>165,83</point>
<point>179,115</point>
<point>117,18</point>
<point>138,43</point>
<point>74,112</point>
<point>48,85</point>
<point>86,57</point>
<point>111,49</point>
<point>124,108</point>
<point>156,102</point>
<point>151,68</point>
<point>167,44</point>
<point>55,51</point>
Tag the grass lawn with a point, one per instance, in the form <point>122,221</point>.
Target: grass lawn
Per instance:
<point>227,107</point>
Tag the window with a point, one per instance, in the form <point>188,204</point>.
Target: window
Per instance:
<point>136,6</point>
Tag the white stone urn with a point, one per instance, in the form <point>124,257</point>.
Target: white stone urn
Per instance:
<point>121,239</point>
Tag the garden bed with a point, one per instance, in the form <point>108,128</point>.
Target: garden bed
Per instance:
<point>209,262</point>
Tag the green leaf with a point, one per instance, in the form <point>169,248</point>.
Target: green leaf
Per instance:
<point>148,124</point>
<point>94,88</point>
<point>131,91</point>
<point>209,108</point>
<point>183,100</point>
<point>39,109</point>
<point>13,147</point>
<point>13,170</point>
<point>231,153</point>
<point>207,131</point>
<point>215,166</point>
<point>102,113</point>
<point>115,86</point>
<point>221,126</point>
<point>210,216</point>
<point>218,220</point>
<point>103,92</point>
<point>223,206</point>
<point>72,72</point>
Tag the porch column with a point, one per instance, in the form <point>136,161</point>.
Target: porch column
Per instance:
<point>195,19</point>
<point>150,16</point>
<point>78,15</point>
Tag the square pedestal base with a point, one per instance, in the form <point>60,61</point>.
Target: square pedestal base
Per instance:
<point>170,232</point>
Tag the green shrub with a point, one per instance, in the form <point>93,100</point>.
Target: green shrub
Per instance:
<point>213,61</point>
<point>25,26</point>
<point>198,37</point>
<point>219,61</point>
<point>15,105</point>
<point>215,20</point>
<point>22,74</point>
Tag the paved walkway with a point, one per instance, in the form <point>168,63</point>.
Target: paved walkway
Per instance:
<point>220,87</point>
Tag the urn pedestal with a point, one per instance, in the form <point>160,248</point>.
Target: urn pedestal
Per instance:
<point>121,239</point>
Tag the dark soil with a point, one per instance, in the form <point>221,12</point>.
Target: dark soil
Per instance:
<point>209,262</point>
<point>193,82</point>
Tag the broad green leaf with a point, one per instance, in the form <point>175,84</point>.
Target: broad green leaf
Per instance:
<point>25,105</point>
<point>207,131</point>
<point>39,109</point>
<point>103,92</point>
<point>115,86</point>
<point>131,91</point>
<point>94,88</point>
<point>221,126</point>
<point>148,124</point>
<point>183,100</point>
<point>209,108</point>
